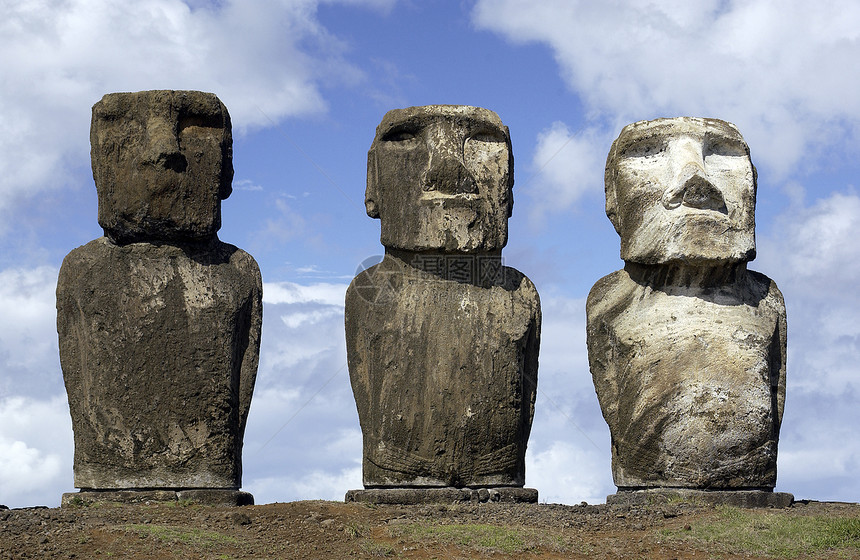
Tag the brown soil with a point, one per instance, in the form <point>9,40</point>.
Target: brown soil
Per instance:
<point>317,529</point>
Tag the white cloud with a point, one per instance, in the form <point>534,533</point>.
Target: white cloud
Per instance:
<point>303,342</point>
<point>246,185</point>
<point>309,269</point>
<point>263,59</point>
<point>289,293</point>
<point>297,319</point>
<point>569,474</point>
<point>823,240</point>
<point>35,451</point>
<point>324,475</point>
<point>383,6</point>
<point>565,167</point>
<point>29,359</point>
<point>819,458</point>
<point>568,454</point>
<point>776,69</point>
<point>315,485</point>
<point>812,254</point>
<point>302,439</point>
<point>286,225</point>
<point>563,358</point>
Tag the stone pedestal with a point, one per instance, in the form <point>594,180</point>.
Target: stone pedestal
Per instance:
<point>208,497</point>
<point>737,498</point>
<point>412,496</point>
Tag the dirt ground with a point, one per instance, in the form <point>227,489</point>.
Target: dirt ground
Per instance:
<point>318,529</point>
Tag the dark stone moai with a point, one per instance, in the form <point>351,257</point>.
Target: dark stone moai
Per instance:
<point>687,346</point>
<point>159,321</point>
<point>442,339</point>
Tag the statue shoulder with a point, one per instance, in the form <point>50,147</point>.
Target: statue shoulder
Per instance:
<point>609,296</point>
<point>370,286</point>
<point>242,259</point>
<point>515,280</point>
<point>768,292</point>
<point>81,261</point>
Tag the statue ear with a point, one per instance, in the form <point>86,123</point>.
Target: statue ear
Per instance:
<point>755,179</point>
<point>371,195</point>
<point>609,175</point>
<point>226,188</point>
<point>510,172</point>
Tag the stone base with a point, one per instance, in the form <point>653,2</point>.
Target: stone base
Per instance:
<point>407,496</point>
<point>738,498</point>
<point>201,496</point>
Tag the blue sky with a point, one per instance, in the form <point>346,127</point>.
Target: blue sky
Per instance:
<point>306,83</point>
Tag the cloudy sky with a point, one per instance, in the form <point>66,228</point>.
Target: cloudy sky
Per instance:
<point>306,83</point>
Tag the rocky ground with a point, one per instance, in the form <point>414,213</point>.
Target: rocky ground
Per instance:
<point>318,529</point>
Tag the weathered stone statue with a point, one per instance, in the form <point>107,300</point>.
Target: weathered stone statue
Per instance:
<point>687,346</point>
<point>159,321</point>
<point>442,339</point>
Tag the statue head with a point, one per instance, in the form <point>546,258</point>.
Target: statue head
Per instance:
<point>440,177</point>
<point>162,162</point>
<point>682,191</point>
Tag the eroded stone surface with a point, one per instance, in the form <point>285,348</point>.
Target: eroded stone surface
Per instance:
<point>686,346</point>
<point>159,332</point>
<point>209,497</point>
<point>162,162</point>
<point>442,339</point>
<point>736,498</point>
<point>440,177</point>
<point>682,190</point>
<point>443,495</point>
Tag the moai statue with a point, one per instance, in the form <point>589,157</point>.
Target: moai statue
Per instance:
<point>442,339</point>
<point>159,321</point>
<point>687,346</point>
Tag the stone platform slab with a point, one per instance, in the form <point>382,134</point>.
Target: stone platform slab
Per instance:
<point>407,496</point>
<point>202,496</point>
<point>738,498</point>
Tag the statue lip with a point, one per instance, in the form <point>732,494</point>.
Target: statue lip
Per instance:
<point>434,194</point>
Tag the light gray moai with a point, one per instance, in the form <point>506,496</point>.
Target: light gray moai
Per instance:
<point>159,321</point>
<point>687,346</point>
<point>442,339</point>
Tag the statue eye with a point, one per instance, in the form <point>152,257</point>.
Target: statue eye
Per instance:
<point>488,136</point>
<point>204,120</point>
<point>400,134</point>
<point>644,147</point>
<point>722,146</point>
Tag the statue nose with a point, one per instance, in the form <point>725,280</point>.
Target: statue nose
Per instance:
<point>692,188</point>
<point>448,175</point>
<point>691,185</point>
<point>163,148</point>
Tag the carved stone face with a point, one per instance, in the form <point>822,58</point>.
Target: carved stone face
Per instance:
<point>440,177</point>
<point>162,162</point>
<point>682,191</point>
